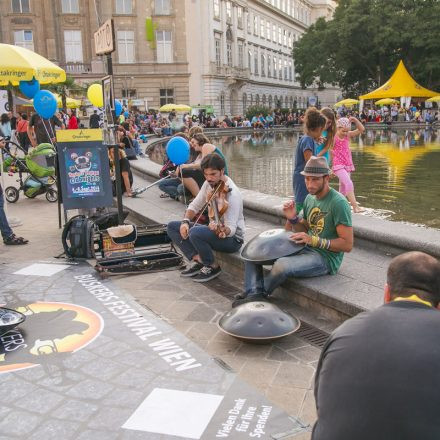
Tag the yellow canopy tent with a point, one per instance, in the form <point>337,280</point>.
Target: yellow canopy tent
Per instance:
<point>434,99</point>
<point>401,84</point>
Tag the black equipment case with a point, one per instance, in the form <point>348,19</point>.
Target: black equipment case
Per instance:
<point>146,249</point>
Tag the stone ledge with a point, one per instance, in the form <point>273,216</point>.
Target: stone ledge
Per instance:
<point>373,232</point>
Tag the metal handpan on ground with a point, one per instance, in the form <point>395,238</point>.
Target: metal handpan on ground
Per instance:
<point>9,319</point>
<point>270,245</point>
<point>258,321</point>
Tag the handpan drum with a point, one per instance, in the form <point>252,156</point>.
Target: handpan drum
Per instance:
<point>9,319</point>
<point>270,245</point>
<point>258,322</point>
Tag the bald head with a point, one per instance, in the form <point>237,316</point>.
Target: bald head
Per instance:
<point>415,273</point>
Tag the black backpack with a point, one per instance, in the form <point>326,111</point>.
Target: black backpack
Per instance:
<point>77,237</point>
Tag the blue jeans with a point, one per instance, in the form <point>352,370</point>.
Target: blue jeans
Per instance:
<point>202,241</point>
<point>136,146</point>
<point>5,229</point>
<point>308,263</point>
<point>170,186</point>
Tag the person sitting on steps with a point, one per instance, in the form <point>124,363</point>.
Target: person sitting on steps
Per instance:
<point>325,229</point>
<point>198,242</point>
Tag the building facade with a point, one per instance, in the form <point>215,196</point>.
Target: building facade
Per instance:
<point>226,53</point>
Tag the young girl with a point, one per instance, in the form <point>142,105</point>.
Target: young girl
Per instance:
<point>342,160</point>
<point>328,134</point>
<point>314,123</point>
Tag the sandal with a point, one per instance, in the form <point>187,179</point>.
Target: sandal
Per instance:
<point>14,240</point>
<point>164,196</point>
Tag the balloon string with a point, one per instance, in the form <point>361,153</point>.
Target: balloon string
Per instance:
<point>184,192</point>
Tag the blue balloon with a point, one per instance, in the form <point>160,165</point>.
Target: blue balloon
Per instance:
<point>126,114</point>
<point>178,150</point>
<point>118,107</point>
<point>29,88</point>
<point>45,104</point>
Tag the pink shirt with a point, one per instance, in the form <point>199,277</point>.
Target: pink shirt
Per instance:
<point>342,154</point>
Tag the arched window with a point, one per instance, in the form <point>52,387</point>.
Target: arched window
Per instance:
<point>263,99</point>
<point>222,103</point>
<point>270,101</point>
<point>257,99</point>
<point>251,99</point>
<point>244,102</point>
<point>291,102</point>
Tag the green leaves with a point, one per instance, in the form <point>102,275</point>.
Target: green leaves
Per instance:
<point>360,48</point>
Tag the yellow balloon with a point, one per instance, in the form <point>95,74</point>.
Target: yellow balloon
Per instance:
<point>94,93</point>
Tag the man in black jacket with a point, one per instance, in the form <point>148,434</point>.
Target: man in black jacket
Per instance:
<point>378,376</point>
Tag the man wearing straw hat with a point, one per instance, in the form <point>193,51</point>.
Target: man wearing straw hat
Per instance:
<point>325,229</point>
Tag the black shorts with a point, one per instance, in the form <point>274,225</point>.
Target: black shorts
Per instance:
<point>197,175</point>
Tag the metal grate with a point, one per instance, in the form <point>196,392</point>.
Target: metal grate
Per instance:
<point>312,334</point>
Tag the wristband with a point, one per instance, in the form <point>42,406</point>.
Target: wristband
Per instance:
<point>185,220</point>
<point>294,220</point>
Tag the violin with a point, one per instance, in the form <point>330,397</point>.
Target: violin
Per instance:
<point>217,207</point>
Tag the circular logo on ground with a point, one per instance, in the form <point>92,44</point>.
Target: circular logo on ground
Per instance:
<point>51,331</point>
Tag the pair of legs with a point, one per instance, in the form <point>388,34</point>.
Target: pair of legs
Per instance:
<point>193,180</point>
<point>346,187</point>
<point>308,263</point>
<point>171,187</point>
<point>201,243</point>
<point>8,235</point>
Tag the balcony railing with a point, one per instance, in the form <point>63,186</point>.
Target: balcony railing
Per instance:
<point>77,68</point>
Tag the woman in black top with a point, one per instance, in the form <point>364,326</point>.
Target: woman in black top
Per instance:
<point>126,174</point>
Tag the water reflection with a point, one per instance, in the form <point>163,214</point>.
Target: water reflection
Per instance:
<point>397,171</point>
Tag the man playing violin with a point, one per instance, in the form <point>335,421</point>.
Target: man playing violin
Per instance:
<point>325,229</point>
<point>226,228</point>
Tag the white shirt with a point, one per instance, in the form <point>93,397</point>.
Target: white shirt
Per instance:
<point>233,217</point>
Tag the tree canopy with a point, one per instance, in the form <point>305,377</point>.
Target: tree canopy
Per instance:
<point>361,46</point>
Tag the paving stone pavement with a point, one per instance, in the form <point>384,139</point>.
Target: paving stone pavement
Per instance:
<point>283,370</point>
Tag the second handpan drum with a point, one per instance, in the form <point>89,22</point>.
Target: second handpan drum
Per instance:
<point>270,245</point>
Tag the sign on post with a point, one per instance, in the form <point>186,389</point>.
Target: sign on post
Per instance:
<point>84,169</point>
<point>105,38</point>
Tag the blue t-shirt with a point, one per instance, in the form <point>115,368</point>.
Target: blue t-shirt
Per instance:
<point>320,147</point>
<point>299,187</point>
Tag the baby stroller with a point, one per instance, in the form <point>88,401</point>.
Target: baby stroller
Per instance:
<point>39,164</point>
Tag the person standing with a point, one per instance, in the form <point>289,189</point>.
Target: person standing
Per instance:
<point>324,149</point>
<point>94,120</point>
<point>378,376</point>
<point>314,124</point>
<point>5,125</point>
<point>73,121</point>
<point>342,160</point>
<point>43,130</point>
<point>9,238</point>
<point>22,128</point>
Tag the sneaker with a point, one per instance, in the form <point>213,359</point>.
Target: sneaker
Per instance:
<point>192,270</point>
<point>207,273</point>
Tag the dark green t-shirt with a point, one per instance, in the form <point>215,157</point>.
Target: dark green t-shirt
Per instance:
<point>323,216</point>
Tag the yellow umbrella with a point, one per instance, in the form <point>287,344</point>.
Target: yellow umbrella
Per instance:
<point>176,107</point>
<point>434,99</point>
<point>70,102</point>
<point>387,101</point>
<point>347,103</point>
<point>21,64</point>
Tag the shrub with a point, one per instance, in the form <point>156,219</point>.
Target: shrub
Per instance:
<point>255,110</point>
